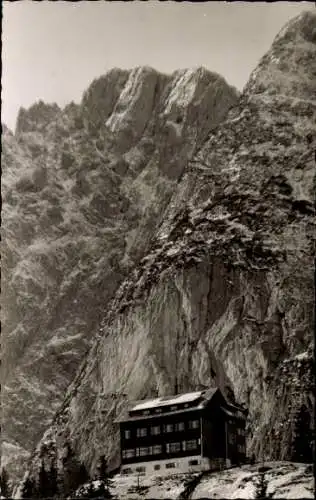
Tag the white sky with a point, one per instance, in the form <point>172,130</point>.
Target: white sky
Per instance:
<point>53,50</point>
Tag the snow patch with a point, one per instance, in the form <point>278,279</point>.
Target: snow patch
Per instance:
<point>164,401</point>
<point>57,341</point>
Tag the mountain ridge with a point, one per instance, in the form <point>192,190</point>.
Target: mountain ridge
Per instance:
<point>81,198</point>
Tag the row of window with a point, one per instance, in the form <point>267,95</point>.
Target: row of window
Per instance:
<point>144,451</point>
<point>157,429</point>
<point>160,410</point>
<point>169,465</point>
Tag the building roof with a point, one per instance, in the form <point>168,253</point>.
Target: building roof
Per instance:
<point>168,401</point>
<point>200,398</point>
<point>131,418</point>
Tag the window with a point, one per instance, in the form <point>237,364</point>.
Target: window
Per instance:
<point>141,432</point>
<point>127,434</point>
<point>231,439</point>
<point>128,453</point>
<point>142,452</point>
<point>189,445</point>
<point>157,449</point>
<point>158,410</point>
<point>193,462</point>
<point>173,447</point>
<point>179,426</point>
<point>155,430</point>
<point>241,448</point>
<point>146,412</point>
<point>140,469</point>
<point>157,467</point>
<point>173,408</point>
<point>170,465</point>
<point>194,424</point>
<point>126,471</point>
<point>168,428</point>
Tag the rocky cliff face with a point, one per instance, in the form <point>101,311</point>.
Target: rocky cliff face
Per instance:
<point>221,244</point>
<point>84,190</point>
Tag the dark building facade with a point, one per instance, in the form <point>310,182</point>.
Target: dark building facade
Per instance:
<point>187,432</point>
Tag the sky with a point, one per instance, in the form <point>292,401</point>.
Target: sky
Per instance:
<point>53,50</point>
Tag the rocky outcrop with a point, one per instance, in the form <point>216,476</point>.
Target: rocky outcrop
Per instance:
<point>281,480</point>
<point>84,190</point>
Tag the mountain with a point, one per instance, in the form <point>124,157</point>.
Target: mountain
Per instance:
<point>179,216</point>
<point>84,190</point>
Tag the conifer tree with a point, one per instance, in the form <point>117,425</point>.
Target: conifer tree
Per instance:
<point>29,490</point>
<point>103,476</point>
<point>302,442</point>
<point>53,479</point>
<point>74,472</point>
<point>4,483</point>
<point>43,489</point>
<point>102,468</point>
<point>83,475</point>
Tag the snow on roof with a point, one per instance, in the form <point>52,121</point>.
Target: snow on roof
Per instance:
<point>229,413</point>
<point>168,400</point>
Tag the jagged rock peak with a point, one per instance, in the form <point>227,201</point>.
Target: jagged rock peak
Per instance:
<point>115,75</point>
<point>289,67</point>
<point>36,117</point>
<point>125,101</point>
<point>303,25</point>
<point>118,89</point>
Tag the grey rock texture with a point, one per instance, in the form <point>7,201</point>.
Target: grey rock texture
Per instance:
<point>221,290</point>
<point>84,190</point>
